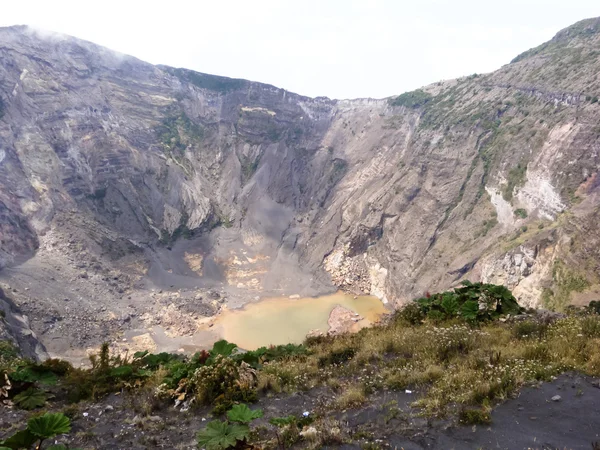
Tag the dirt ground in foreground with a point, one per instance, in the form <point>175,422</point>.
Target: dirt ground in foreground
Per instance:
<point>531,420</point>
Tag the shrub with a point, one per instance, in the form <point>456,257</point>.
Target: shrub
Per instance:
<point>30,399</point>
<point>38,430</point>
<point>9,356</point>
<point>30,373</point>
<point>57,366</point>
<point>337,357</point>
<point>410,313</point>
<point>449,342</point>
<point>242,414</point>
<point>520,212</point>
<point>218,435</point>
<point>594,307</point>
<point>471,416</point>
<point>538,352</point>
<point>221,348</point>
<point>529,329</point>
<point>223,383</point>
<point>177,132</point>
<point>268,382</point>
<point>474,302</point>
<point>108,374</point>
<point>289,433</point>
<point>2,108</point>
<point>515,177</point>
<point>590,326</point>
<point>273,353</point>
<point>291,420</point>
<point>318,339</point>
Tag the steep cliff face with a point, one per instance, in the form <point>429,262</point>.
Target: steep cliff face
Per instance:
<point>118,177</point>
<point>490,176</point>
<point>15,329</point>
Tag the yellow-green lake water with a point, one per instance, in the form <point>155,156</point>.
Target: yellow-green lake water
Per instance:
<point>277,321</point>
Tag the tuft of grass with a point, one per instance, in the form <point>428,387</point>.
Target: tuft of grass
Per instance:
<point>337,357</point>
<point>411,377</point>
<point>529,329</point>
<point>268,382</point>
<point>590,326</point>
<point>471,416</point>
<point>352,397</point>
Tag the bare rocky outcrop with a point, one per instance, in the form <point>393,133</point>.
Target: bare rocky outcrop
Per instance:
<point>342,320</point>
<point>14,328</point>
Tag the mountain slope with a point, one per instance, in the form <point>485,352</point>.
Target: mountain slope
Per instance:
<point>119,179</point>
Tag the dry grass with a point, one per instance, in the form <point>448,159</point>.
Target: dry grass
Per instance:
<point>352,397</point>
<point>451,365</point>
<point>268,382</point>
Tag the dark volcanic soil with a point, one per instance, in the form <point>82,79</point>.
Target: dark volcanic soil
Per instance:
<point>535,421</point>
<point>530,421</point>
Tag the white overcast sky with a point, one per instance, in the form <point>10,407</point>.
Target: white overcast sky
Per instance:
<point>336,48</point>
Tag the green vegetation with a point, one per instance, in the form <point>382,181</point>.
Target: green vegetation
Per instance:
<point>274,133</point>
<point>30,399</point>
<point>220,435</point>
<point>182,230</point>
<point>590,326</point>
<point>223,220</point>
<point>474,302</point>
<point>413,99</point>
<point>582,29</point>
<point>521,213</point>
<point>338,170</point>
<point>488,225</point>
<point>516,176</point>
<point>220,377</point>
<point>249,167</point>
<point>473,416</point>
<point>352,397</point>
<point>528,329</point>
<point>242,414</point>
<point>177,132</point>
<point>566,282</point>
<point>9,355</point>
<point>594,307</point>
<point>38,430</point>
<point>456,357</point>
<point>205,81</point>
